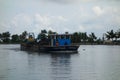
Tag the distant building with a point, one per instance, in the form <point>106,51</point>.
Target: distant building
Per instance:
<point>107,42</point>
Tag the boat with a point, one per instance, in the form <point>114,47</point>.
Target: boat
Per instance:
<point>55,43</point>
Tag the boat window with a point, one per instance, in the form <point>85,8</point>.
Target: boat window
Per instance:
<point>67,37</point>
<point>62,37</point>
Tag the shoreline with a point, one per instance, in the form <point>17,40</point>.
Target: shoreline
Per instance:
<point>77,43</point>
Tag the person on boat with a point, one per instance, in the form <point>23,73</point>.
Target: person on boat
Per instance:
<point>57,43</point>
<point>30,41</point>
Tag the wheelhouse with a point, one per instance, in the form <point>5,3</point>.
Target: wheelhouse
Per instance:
<point>60,39</point>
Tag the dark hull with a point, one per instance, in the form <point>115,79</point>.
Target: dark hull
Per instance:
<point>62,49</point>
<point>58,49</point>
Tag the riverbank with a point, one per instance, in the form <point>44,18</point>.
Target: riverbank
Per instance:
<point>81,43</point>
<point>114,43</point>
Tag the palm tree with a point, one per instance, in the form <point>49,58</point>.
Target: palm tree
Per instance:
<point>23,36</point>
<point>118,33</point>
<point>110,35</point>
<point>50,32</point>
<point>92,37</point>
<point>0,37</point>
<point>84,36</point>
<point>42,35</point>
<point>43,31</point>
<point>80,36</point>
<point>107,36</point>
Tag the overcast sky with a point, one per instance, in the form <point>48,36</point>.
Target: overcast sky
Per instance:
<point>96,16</point>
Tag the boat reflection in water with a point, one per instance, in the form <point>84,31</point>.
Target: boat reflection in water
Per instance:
<point>61,66</point>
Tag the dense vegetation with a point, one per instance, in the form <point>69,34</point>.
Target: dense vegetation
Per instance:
<point>78,37</point>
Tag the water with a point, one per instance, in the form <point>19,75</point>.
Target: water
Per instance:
<point>95,62</point>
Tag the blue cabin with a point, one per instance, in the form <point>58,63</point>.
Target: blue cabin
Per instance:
<point>60,39</point>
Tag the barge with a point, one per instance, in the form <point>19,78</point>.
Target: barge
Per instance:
<point>55,43</point>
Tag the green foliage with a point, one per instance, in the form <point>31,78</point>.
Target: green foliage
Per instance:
<point>92,37</point>
<point>99,41</point>
<point>83,37</point>
<point>110,35</point>
<point>0,35</point>
<point>15,38</point>
<point>50,32</point>
<point>43,31</point>
<point>42,35</point>
<point>23,36</point>
<point>5,37</point>
<point>77,37</point>
<point>113,35</point>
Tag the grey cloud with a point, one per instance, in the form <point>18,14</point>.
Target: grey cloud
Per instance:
<point>67,1</point>
<point>75,1</point>
<point>63,1</point>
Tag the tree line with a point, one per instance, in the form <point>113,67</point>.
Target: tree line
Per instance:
<point>78,37</point>
<point>113,35</point>
<point>6,37</point>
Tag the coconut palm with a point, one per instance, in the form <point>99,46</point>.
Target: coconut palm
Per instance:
<point>23,36</point>
<point>110,35</point>
<point>119,33</point>
<point>85,37</point>
<point>92,37</point>
<point>116,35</point>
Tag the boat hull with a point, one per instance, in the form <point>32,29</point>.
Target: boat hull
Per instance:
<point>62,49</point>
<point>56,49</point>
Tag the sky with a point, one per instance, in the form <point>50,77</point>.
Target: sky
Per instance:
<point>98,16</point>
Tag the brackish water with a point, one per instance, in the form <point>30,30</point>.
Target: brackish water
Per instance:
<point>93,62</point>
